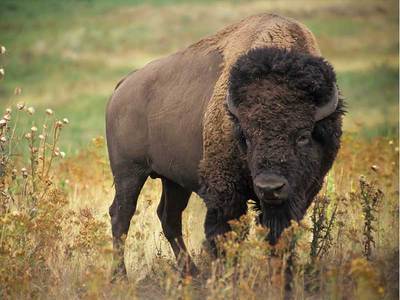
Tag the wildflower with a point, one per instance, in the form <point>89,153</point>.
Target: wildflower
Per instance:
<point>15,213</point>
<point>59,124</point>
<point>49,112</point>
<point>41,137</point>
<point>34,129</point>
<point>2,49</point>
<point>65,121</point>
<point>28,136</point>
<point>375,168</point>
<point>2,73</point>
<point>14,174</point>
<point>31,110</point>
<point>7,117</point>
<point>8,110</point>
<point>20,106</point>
<point>17,91</point>
<point>391,142</point>
<point>24,172</point>
<point>3,122</point>
<point>3,139</point>
<point>62,154</point>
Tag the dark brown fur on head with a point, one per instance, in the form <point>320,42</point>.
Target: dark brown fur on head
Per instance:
<point>275,94</point>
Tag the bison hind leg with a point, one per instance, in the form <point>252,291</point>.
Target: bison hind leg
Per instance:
<point>128,184</point>
<point>174,200</point>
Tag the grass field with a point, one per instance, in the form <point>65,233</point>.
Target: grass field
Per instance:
<point>55,238</point>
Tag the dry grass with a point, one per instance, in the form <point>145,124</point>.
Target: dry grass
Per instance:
<point>56,243</point>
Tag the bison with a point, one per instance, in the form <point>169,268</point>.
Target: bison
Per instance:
<point>250,113</point>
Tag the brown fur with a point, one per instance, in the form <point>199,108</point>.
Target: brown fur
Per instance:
<point>264,30</point>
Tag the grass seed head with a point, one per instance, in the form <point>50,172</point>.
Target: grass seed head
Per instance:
<point>24,172</point>
<point>49,112</point>
<point>2,72</point>
<point>20,106</point>
<point>31,110</point>
<point>375,168</point>
<point>17,91</point>
<point>2,50</point>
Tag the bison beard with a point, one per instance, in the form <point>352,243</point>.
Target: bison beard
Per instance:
<point>277,219</point>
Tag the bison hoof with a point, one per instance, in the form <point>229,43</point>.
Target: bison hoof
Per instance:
<point>192,271</point>
<point>187,268</point>
<point>119,274</point>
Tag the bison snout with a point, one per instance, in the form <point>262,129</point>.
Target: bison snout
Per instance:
<point>271,188</point>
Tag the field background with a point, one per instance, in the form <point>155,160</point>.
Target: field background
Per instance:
<point>69,55</point>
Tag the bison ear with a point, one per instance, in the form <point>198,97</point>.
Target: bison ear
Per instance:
<point>229,103</point>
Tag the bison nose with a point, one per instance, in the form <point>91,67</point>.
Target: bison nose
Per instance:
<point>272,189</point>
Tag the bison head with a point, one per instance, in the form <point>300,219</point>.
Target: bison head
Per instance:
<point>287,117</point>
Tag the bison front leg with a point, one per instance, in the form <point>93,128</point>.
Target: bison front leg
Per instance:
<point>128,184</point>
<point>174,200</point>
<point>217,224</point>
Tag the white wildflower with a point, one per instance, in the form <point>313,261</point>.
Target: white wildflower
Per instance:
<point>20,106</point>
<point>31,110</point>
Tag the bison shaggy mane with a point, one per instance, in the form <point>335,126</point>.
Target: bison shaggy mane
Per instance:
<point>298,71</point>
<point>313,79</point>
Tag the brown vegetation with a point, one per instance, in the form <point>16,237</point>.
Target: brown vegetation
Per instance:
<point>54,243</point>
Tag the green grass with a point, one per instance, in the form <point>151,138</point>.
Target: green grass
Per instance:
<point>69,55</point>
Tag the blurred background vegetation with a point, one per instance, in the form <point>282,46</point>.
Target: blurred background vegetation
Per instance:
<point>69,55</point>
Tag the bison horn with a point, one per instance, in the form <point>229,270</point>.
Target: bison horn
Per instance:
<point>231,107</point>
<point>329,108</point>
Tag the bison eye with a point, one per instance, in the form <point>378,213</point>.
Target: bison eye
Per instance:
<point>247,143</point>
<point>303,139</point>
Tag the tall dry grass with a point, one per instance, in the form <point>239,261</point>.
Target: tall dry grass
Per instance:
<point>55,239</point>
